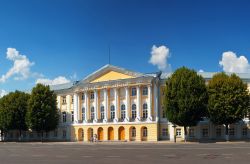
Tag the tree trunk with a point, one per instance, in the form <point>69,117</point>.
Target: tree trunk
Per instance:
<point>185,133</point>
<point>227,136</point>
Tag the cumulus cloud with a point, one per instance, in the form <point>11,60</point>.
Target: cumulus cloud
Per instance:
<point>201,70</point>
<point>57,80</point>
<point>21,66</point>
<point>159,56</point>
<point>231,63</point>
<point>3,93</point>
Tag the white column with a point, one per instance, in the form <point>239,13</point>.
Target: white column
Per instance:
<point>116,105</point>
<point>127,103</point>
<point>105,105</point>
<point>86,100</point>
<point>96,105</point>
<point>156,101</point>
<point>58,102</point>
<point>68,115</point>
<point>138,106</point>
<point>76,107</point>
<point>149,103</point>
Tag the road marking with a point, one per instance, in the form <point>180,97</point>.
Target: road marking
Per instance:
<point>113,156</point>
<point>87,156</point>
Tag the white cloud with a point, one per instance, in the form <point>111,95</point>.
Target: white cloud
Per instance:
<point>201,70</point>
<point>231,63</point>
<point>159,56</point>
<point>57,80</point>
<point>21,66</point>
<point>3,93</point>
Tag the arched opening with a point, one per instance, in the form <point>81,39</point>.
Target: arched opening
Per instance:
<point>132,133</point>
<point>110,133</point>
<point>144,133</point>
<point>90,134</point>
<point>80,134</point>
<point>121,133</point>
<point>100,134</point>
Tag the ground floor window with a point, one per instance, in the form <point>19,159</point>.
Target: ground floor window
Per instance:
<point>164,132</point>
<point>64,133</point>
<point>55,133</point>
<point>145,132</point>
<point>244,131</point>
<point>133,132</point>
<point>205,132</point>
<point>191,132</point>
<point>72,116</point>
<point>178,132</point>
<point>218,132</point>
<point>231,131</point>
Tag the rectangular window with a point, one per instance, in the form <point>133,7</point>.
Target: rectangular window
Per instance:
<point>178,132</point>
<point>47,134</point>
<point>133,114</point>
<point>64,117</point>
<point>72,100</point>
<point>55,133</point>
<point>244,131</point>
<point>72,116</point>
<point>231,131</point>
<point>92,95</point>
<point>191,132</point>
<point>218,132</point>
<point>133,91</point>
<point>64,99</point>
<point>64,133</point>
<point>83,96</point>
<point>205,132</point>
<point>145,91</point>
<point>163,112</point>
<point>164,132</point>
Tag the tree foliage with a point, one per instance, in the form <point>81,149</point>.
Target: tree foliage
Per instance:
<point>185,98</point>
<point>42,112</point>
<point>228,99</point>
<point>13,108</point>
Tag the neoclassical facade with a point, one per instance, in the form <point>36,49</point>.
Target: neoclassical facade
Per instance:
<point>117,104</point>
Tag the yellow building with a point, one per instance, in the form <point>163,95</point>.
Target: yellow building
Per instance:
<point>117,104</point>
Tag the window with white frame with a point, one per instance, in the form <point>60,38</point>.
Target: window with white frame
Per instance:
<point>133,91</point>
<point>133,111</point>
<point>102,112</point>
<point>92,113</point>
<point>178,132</point>
<point>191,132</point>
<point>72,116</point>
<point>244,131</point>
<point>112,112</point>
<point>133,132</point>
<point>145,110</point>
<point>164,132</point>
<point>64,117</point>
<point>231,131</point>
<point>218,132</point>
<point>123,111</point>
<point>92,95</point>
<point>205,132</point>
<point>145,132</point>
<point>83,113</point>
<point>64,99</point>
<point>145,91</point>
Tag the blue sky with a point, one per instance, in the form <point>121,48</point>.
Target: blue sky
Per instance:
<point>70,38</point>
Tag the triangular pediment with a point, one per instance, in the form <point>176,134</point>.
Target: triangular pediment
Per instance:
<point>109,73</point>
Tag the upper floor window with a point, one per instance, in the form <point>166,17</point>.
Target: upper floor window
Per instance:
<point>102,112</point>
<point>72,100</point>
<point>92,95</point>
<point>133,91</point>
<point>64,99</point>
<point>133,111</point>
<point>83,113</point>
<point>72,116</point>
<point>145,91</point>
<point>112,112</point>
<point>92,113</point>
<point>123,111</point>
<point>64,116</point>
<point>145,111</point>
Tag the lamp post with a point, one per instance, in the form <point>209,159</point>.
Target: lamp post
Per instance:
<point>174,126</point>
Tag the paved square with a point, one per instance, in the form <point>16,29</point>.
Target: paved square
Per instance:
<point>124,153</point>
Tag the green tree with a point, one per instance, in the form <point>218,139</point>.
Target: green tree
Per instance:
<point>185,98</point>
<point>228,99</point>
<point>42,112</point>
<point>13,110</point>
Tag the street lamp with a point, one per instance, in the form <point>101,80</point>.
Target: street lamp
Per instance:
<point>174,126</point>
